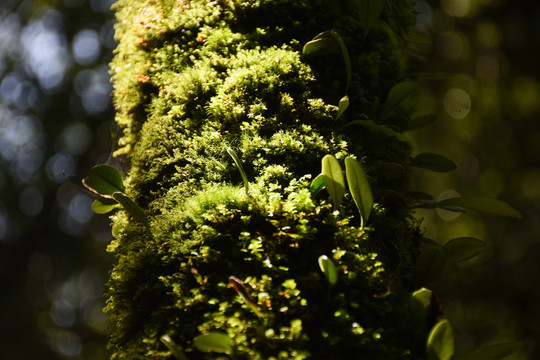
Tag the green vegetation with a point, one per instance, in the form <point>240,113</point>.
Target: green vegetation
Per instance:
<point>239,231</point>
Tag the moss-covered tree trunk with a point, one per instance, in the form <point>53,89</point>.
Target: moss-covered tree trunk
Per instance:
<point>199,82</point>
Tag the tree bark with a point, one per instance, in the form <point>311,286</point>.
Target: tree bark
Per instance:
<point>225,118</point>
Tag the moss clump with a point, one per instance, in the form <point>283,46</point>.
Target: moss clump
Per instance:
<point>192,78</point>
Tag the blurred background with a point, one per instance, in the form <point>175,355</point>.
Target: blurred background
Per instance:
<point>56,121</point>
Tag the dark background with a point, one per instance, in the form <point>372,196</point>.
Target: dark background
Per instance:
<point>56,121</point>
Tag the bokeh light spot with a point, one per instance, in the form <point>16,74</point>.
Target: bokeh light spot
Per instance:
<point>68,343</point>
<point>457,103</point>
<point>76,138</point>
<point>80,208</point>
<point>63,313</point>
<point>60,167</point>
<point>31,201</point>
<point>456,8</point>
<point>86,46</point>
<point>446,214</point>
<point>450,45</point>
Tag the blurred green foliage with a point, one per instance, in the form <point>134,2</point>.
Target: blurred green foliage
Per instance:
<point>487,100</point>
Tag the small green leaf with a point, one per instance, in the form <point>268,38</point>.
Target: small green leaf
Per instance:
<point>421,121</point>
<point>328,42</point>
<point>132,208</point>
<point>238,163</point>
<point>105,179</point>
<point>359,187</point>
<point>322,44</point>
<point>402,99</point>
<point>381,129</point>
<point>342,106</point>
<point>328,269</point>
<point>419,195</point>
<point>430,264</point>
<point>244,294</point>
<point>333,179</point>
<point>103,205</point>
<point>491,352</point>
<point>464,248</point>
<point>214,341</point>
<point>488,205</point>
<point>420,300</point>
<point>176,350</point>
<point>433,162</point>
<point>370,12</point>
<point>317,184</point>
<point>440,342</point>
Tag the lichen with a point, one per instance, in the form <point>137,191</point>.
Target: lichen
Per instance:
<point>193,78</point>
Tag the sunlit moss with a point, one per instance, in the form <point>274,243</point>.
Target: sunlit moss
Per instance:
<point>196,79</point>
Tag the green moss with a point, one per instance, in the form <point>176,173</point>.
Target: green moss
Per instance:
<point>192,78</point>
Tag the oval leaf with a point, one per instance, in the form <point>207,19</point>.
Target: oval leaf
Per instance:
<point>440,343</point>
<point>370,12</point>
<point>488,205</point>
<point>359,187</point>
<point>105,179</point>
<point>402,99</point>
<point>317,184</point>
<point>420,300</point>
<point>430,264</point>
<point>491,352</point>
<point>328,269</point>
<point>433,162</point>
<point>342,106</point>
<point>381,129</point>
<point>333,179</point>
<point>103,205</point>
<point>464,248</point>
<point>132,208</point>
<point>214,341</point>
<point>328,42</point>
<point>322,44</point>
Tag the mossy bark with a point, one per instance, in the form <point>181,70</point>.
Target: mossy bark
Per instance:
<point>194,78</point>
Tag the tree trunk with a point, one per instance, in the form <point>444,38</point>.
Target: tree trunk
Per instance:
<point>226,118</point>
